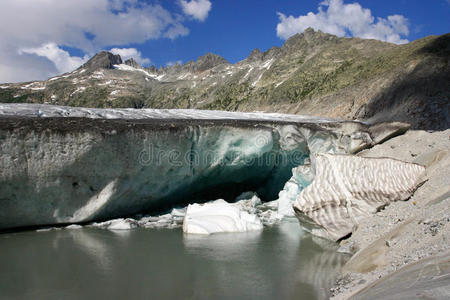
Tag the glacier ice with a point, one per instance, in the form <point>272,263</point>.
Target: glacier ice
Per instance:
<point>347,188</point>
<point>219,216</point>
<point>248,203</point>
<point>117,224</point>
<point>64,165</point>
<point>302,176</point>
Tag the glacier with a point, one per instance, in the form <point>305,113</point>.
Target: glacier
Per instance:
<point>347,188</point>
<point>62,165</point>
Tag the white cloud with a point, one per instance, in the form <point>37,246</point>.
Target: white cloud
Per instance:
<point>127,53</point>
<point>173,63</point>
<point>341,19</point>
<point>61,58</point>
<point>175,31</point>
<point>30,26</point>
<point>198,9</point>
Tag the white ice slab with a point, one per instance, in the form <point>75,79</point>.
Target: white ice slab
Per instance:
<point>219,216</point>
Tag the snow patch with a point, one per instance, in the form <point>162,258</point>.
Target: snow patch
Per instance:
<point>106,82</point>
<point>279,83</point>
<point>267,64</point>
<point>160,77</point>
<point>124,67</point>
<point>79,89</point>
<point>248,73</point>
<point>34,86</point>
<point>97,75</point>
<point>184,76</point>
<point>257,80</point>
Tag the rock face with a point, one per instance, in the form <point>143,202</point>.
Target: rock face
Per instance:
<point>103,60</point>
<point>347,188</point>
<point>132,63</point>
<point>205,62</point>
<point>68,165</point>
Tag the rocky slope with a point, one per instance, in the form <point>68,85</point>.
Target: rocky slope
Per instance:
<point>312,73</point>
<point>405,233</point>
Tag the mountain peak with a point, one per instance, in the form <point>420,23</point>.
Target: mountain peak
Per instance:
<point>103,60</point>
<point>211,59</point>
<point>256,54</point>
<point>308,38</point>
<point>206,62</point>
<point>133,63</point>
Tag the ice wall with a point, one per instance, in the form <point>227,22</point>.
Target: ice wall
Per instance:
<point>347,188</point>
<point>68,165</point>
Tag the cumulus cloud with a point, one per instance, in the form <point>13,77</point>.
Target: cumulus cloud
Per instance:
<point>127,53</point>
<point>198,9</point>
<point>61,58</point>
<point>338,18</point>
<point>35,30</point>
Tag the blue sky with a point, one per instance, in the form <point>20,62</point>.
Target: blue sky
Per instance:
<point>235,27</point>
<point>49,37</point>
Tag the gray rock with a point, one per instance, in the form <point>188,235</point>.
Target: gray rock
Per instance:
<point>102,60</point>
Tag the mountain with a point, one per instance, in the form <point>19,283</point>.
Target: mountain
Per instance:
<point>312,73</point>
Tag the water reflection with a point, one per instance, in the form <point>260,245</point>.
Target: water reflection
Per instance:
<point>322,263</point>
<point>281,262</point>
<point>94,245</point>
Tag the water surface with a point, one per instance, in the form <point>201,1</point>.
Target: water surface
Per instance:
<point>280,262</point>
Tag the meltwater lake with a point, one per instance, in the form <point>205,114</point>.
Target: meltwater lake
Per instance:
<point>279,262</point>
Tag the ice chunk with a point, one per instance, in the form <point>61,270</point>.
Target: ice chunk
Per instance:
<point>117,224</point>
<point>250,204</point>
<point>74,226</point>
<point>301,178</point>
<point>219,216</point>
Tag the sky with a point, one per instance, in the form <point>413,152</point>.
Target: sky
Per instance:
<point>43,38</point>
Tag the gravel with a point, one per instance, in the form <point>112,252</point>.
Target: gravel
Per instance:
<point>404,232</point>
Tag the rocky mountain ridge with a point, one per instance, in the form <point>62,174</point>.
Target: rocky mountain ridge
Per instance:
<point>312,73</point>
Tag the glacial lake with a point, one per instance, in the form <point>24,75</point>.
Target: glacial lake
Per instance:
<point>280,262</point>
